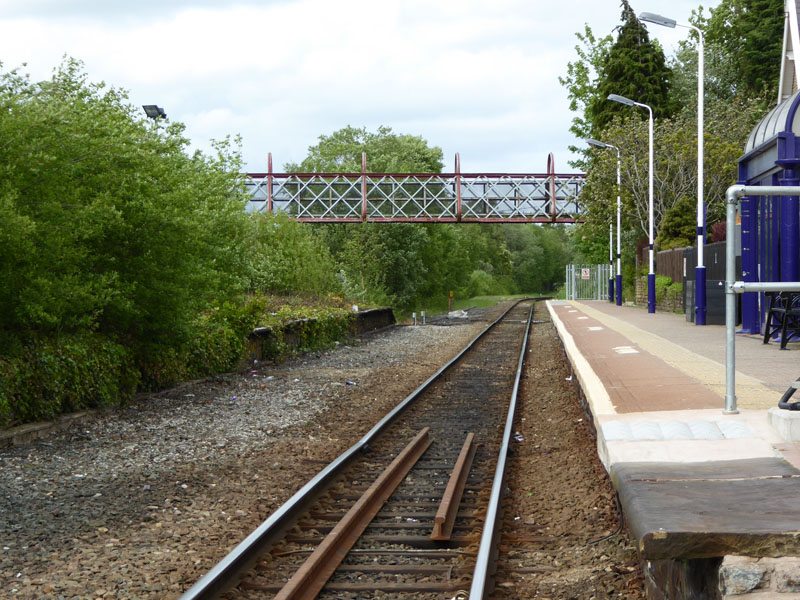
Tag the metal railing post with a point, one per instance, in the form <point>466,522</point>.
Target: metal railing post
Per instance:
<point>732,199</point>
<point>269,183</point>
<point>458,187</point>
<point>733,287</point>
<point>363,186</point>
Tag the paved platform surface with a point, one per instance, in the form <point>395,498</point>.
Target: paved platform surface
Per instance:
<point>693,482</point>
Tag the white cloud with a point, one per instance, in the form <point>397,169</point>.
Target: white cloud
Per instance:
<point>470,76</point>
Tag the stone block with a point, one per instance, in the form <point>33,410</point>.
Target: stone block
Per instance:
<point>785,422</point>
<point>742,575</point>
<point>787,575</point>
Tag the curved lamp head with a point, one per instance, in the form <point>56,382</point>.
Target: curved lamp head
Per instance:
<point>597,143</point>
<point>657,19</point>
<point>621,100</point>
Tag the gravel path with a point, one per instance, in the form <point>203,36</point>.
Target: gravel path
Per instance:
<point>139,503</point>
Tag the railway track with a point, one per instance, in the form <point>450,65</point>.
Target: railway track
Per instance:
<point>410,511</point>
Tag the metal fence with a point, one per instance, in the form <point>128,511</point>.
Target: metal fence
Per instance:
<point>587,282</point>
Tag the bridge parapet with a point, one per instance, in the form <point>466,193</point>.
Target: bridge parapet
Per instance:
<point>419,197</point>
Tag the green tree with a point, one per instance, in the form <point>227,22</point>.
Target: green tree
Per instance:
<point>381,263</point>
<point>728,124</point>
<point>539,254</point>
<point>750,36</point>
<point>287,258</point>
<point>109,225</point>
<point>581,80</point>
<point>634,67</point>
<point>387,152</point>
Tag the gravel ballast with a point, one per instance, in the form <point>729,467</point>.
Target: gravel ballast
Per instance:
<point>140,503</point>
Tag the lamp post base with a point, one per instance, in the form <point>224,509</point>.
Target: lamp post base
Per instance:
<point>651,292</point>
<point>619,290</point>
<point>700,296</point>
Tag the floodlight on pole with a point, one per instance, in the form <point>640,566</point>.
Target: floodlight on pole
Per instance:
<point>154,112</point>
<point>599,144</point>
<point>700,270</point>
<point>651,276</point>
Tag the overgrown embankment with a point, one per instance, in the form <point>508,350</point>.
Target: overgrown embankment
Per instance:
<point>49,376</point>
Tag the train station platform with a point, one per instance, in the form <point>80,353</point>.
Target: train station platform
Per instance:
<point>711,499</point>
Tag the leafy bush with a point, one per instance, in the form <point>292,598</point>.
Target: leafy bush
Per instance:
<point>293,331</point>
<point>219,343</point>
<point>481,284</point>
<point>113,226</point>
<point>288,258</point>
<point>674,294</point>
<point>52,376</point>
<point>662,283</point>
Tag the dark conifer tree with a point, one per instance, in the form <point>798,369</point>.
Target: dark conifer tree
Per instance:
<point>635,68</point>
<point>752,33</point>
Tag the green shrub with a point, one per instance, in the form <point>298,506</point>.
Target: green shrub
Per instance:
<point>53,376</point>
<point>219,341</point>
<point>481,283</point>
<point>674,294</point>
<point>662,283</point>
<point>314,329</point>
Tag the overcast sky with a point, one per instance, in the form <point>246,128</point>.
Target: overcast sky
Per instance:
<point>475,77</point>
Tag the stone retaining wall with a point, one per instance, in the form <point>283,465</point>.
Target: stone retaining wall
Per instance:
<point>759,578</point>
<point>290,334</point>
<point>729,578</point>
<point>364,322</point>
<point>668,304</point>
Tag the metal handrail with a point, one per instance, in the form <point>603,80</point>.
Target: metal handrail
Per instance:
<point>733,196</point>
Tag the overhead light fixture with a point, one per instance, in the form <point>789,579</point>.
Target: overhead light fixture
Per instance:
<point>597,143</point>
<point>658,19</point>
<point>621,100</point>
<point>154,112</point>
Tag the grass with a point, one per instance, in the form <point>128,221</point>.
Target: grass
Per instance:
<point>436,307</point>
<point>484,301</point>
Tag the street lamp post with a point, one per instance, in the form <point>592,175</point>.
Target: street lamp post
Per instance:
<point>600,144</point>
<point>651,276</point>
<point>610,262</point>
<point>700,271</point>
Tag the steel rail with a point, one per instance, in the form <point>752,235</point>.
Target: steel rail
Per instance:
<point>480,577</point>
<point>221,577</point>
<point>448,508</point>
<point>312,576</point>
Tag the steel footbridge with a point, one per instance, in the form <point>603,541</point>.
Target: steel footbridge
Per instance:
<point>419,197</point>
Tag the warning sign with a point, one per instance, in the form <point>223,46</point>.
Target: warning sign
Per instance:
<point>585,273</point>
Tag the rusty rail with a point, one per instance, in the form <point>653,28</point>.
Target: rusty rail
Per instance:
<point>311,577</point>
<point>229,570</point>
<point>448,508</point>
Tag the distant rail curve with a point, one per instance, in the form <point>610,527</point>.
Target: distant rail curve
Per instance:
<point>419,197</point>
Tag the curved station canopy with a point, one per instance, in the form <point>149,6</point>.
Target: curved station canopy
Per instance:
<point>770,225</point>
